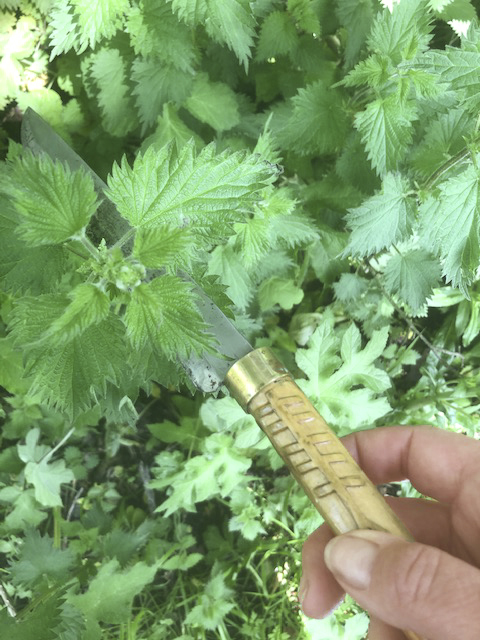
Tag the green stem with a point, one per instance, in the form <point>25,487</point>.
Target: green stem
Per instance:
<point>449,164</point>
<point>124,239</point>
<point>89,246</point>
<point>57,527</point>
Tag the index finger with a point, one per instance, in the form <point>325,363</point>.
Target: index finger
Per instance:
<point>436,462</point>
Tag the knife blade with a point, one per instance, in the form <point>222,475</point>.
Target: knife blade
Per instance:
<point>330,477</point>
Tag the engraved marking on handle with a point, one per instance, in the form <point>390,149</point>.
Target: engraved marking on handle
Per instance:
<point>331,478</point>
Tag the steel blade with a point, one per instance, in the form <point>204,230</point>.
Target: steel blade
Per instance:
<point>207,372</point>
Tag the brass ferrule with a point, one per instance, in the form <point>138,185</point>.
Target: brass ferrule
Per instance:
<point>251,373</point>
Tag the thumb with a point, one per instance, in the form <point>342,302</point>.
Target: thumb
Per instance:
<point>408,585</point>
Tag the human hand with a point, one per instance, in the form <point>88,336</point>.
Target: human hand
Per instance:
<point>431,586</point>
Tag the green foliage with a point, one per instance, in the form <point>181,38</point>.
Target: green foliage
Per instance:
<point>313,167</point>
<point>54,204</point>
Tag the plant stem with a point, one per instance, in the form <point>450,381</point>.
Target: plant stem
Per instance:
<point>57,527</point>
<point>7,603</point>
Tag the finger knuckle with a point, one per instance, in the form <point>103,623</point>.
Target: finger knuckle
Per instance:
<point>417,574</point>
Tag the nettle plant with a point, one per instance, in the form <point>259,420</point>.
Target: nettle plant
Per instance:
<point>313,167</point>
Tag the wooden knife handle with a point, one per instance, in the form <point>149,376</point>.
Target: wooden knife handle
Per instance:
<point>330,477</point>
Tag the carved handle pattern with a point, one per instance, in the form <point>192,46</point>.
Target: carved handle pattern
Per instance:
<point>329,475</point>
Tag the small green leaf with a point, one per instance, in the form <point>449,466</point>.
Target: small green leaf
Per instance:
<point>164,247</point>
<point>412,276</point>
<point>450,226</point>
<point>278,35</point>
<point>279,291</point>
<point>89,305</point>
<point>386,128</point>
<point>213,103</point>
<point>38,559</point>
<point>54,203</point>
<point>383,219</point>
<point>163,315</point>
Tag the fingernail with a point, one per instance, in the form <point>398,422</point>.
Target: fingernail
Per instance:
<point>350,557</point>
<point>302,589</point>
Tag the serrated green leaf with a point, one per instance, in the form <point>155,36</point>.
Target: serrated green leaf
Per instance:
<point>215,603</point>
<point>412,276</point>
<point>402,32</point>
<point>67,376</point>
<point>180,188</point>
<point>156,84</point>
<point>163,315</point>
<point>444,137</point>
<point>278,36</point>
<point>89,305</point>
<point>232,22</point>
<point>38,559</point>
<point>80,24</point>
<point>171,127</point>
<point>54,204</point>
<point>318,123</point>
<point>305,13</point>
<point>450,226</point>
<point>386,131</point>
<point>279,291</point>
<point>158,36</point>
<point>192,12</point>
<point>109,71</point>
<point>39,621</point>
<point>164,247</point>
<point>226,263</point>
<point>213,103</point>
<point>383,219</point>
<point>349,287</point>
<point>110,593</point>
<point>357,18</point>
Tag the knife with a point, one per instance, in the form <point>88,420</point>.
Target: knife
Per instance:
<point>328,474</point>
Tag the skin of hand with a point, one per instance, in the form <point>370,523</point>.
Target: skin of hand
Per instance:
<point>431,586</point>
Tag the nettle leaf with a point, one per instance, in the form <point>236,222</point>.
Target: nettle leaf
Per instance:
<point>80,24</point>
<point>45,476</point>
<point>217,471</point>
<point>157,35</point>
<point>350,287</point>
<point>445,136</point>
<point>38,559</point>
<point>67,376</point>
<point>157,84</point>
<point>278,36</point>
<point>89,305</point>
<point>357,18</point>
<point>164,247</point>
<point>54,203</point>
<point>227,264</point>
<point>318,123</point>
<point>110,593</point>
<point>383,219</point>
<point>303,11</point>
<point>205,192</point>
<point>109,71</point>
<point>386,128</point>
<point>412,276</point>
<point>213,103</point>
<point>215,602</point>
<point>171,127</point>
<point>232,22</point>
<point>343,381</point>
<point>450,226</point>
<point>192,12</point>
<point>163,314</point>
<point>402,32</point>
